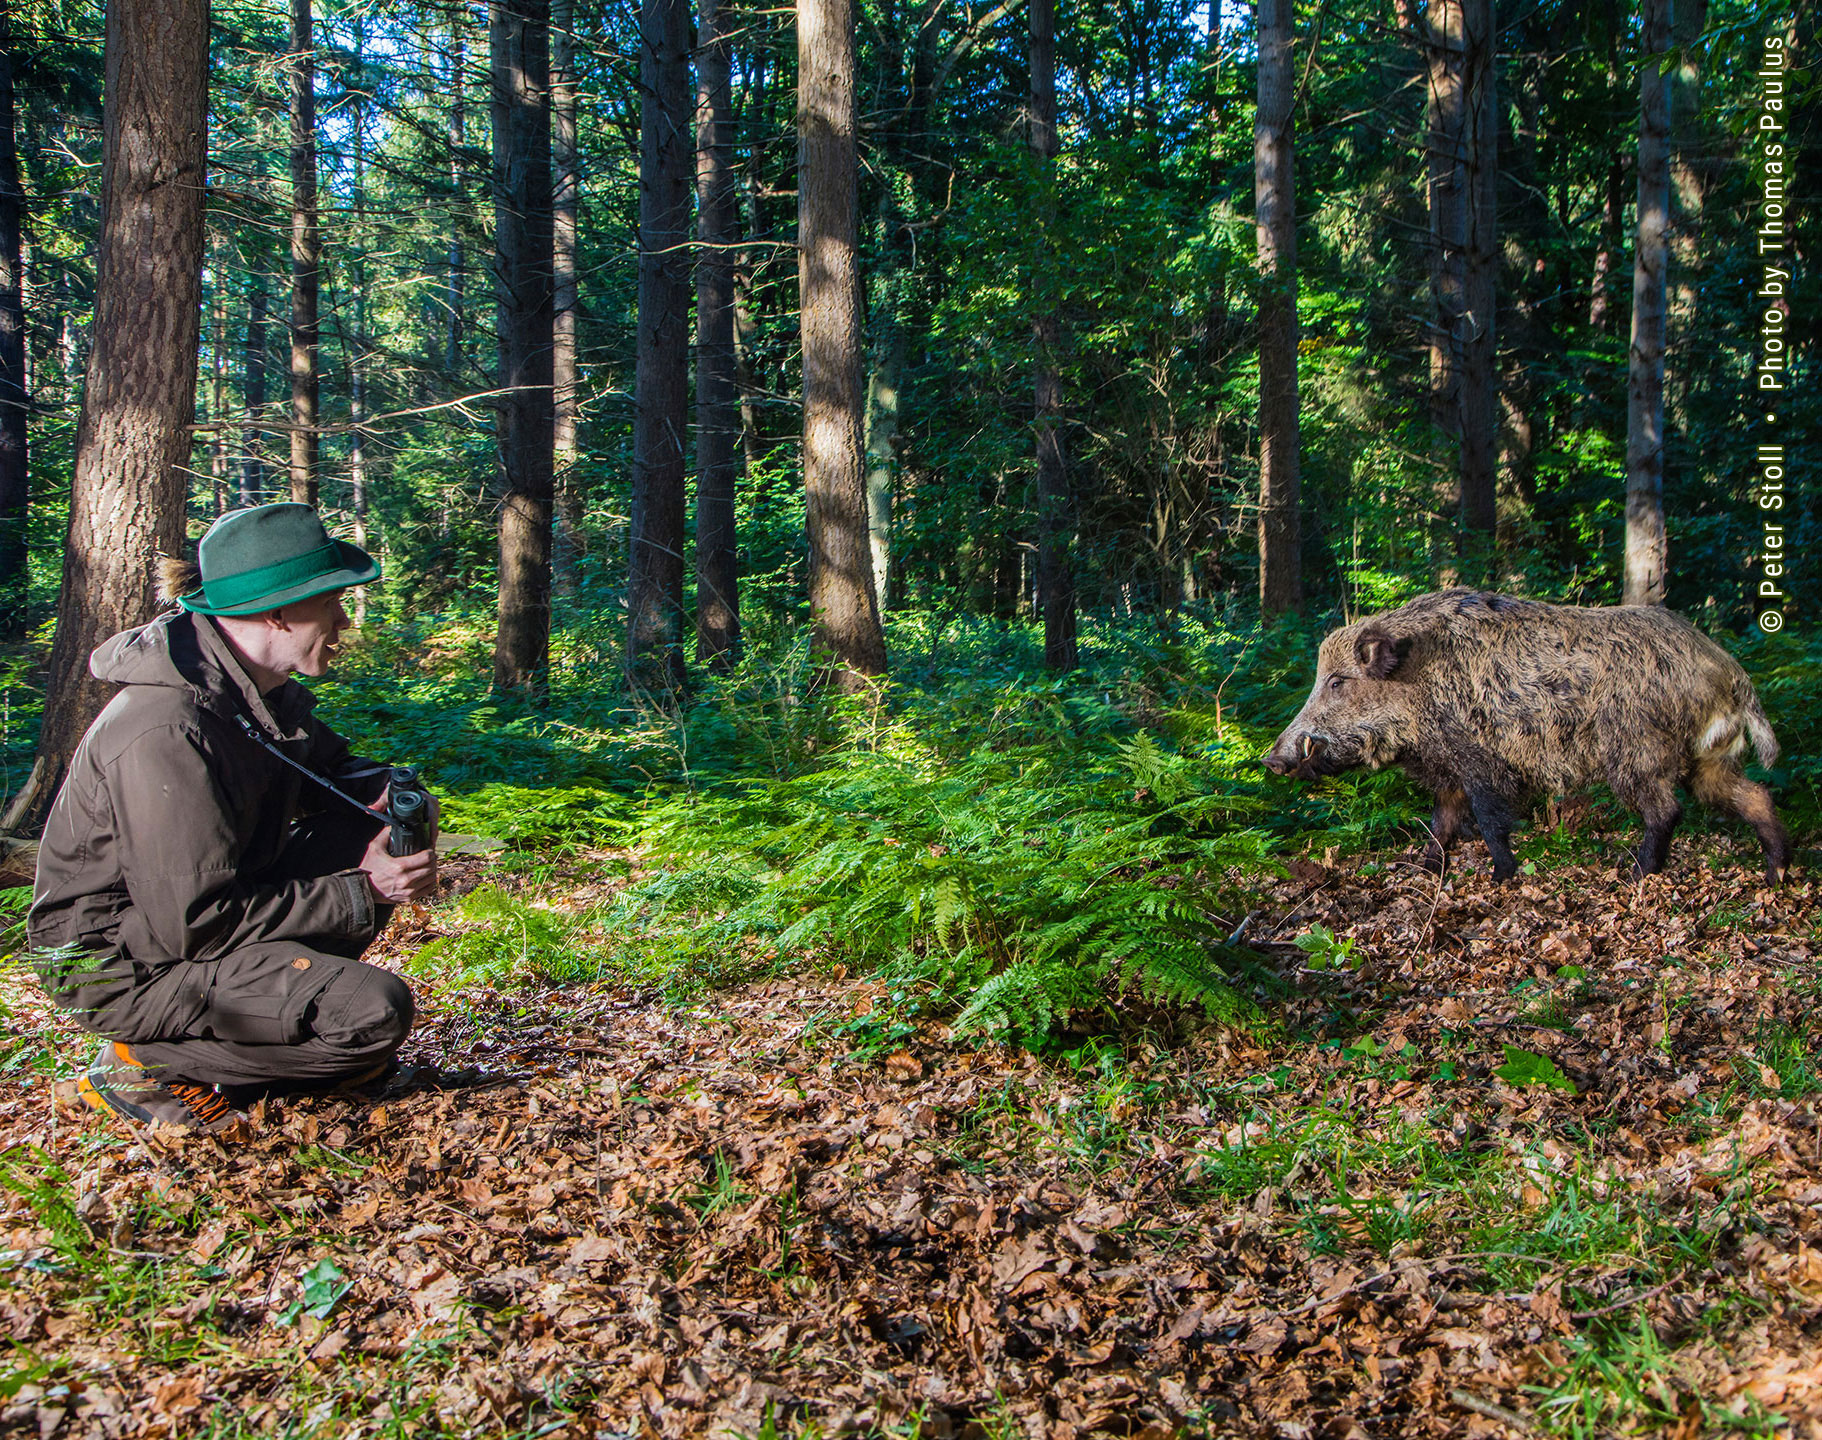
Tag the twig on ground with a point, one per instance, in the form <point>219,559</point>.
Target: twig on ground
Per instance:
<point>1470,1401</point>
<point>1619,1304</point>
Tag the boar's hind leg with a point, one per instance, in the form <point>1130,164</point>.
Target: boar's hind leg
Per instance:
<point>1657,807</point>
<point>1720,783</point>
<point>1446,820</point>
<point>1494,818</point>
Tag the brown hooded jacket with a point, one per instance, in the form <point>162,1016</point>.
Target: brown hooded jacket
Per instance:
<point>157,849</point>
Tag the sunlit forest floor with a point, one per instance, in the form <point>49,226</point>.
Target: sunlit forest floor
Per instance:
<point>1540,1156</point>
<point>1011,1057</point>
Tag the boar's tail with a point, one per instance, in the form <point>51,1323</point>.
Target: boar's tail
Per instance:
<point>1763,740</point>
<point>1727,734</point>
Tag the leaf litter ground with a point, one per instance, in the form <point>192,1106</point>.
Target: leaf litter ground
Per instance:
<point>1544,1157</point>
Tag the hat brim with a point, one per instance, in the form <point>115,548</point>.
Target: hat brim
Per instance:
<point>357,568</point>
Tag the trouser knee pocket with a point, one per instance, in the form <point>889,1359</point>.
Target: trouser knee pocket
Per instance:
<point>367,1008</point>
<point>266,1004</point>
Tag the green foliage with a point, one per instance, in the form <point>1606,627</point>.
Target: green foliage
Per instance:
<point>502,938</point>
<point>322,1287</point>
<point>1325,951</point>
<point>1523,1068</point>
<point>1023,888</point>
<point>561,817</point>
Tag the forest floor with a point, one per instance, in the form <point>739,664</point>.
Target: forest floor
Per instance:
<point>1541,1158</point>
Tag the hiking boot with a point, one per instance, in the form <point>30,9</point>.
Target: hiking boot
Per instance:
<point>117,1084</point>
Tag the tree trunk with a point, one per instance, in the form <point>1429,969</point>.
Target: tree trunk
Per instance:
<point>1647,550</point>
<point>356,346</point>
<point>1478,389</point>
<point>654,622</point>
<point>1688,196</point>
<point>566,201</point>
<point>253,391</point>
<point>1600,298</point>
<point>1056,572</point>
<point>218,389</point>
<point>457,133</point>
<point>1613,220</point>
<point>306,257</point>
<point>842,604</point>
<point>134,434</point>
<point>525,427</point>
<point>1275,215</point>
<point>882,461</point>
<point>717,407</point>
<point>745,327</point>
<point>15,489</point>
<point>1441,34</point>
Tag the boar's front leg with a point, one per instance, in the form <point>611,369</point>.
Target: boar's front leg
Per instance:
<point>1446,820</point>
<point>1493,815</point>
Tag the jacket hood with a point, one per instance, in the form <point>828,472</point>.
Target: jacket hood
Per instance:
<point>186,652</point>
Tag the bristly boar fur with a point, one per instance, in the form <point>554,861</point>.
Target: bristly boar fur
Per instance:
<point>1489,701</point>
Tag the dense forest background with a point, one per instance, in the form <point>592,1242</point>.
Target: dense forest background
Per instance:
<point>1150,269</point>
<point>899,687</point>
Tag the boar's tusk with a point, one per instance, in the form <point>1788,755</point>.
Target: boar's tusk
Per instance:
<point>1309,744</point>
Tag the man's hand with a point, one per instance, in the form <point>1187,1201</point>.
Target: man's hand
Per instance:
<point>397,879</point>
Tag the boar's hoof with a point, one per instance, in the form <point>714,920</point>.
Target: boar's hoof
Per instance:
<point>1504,870</point>
<point>1433,860</point>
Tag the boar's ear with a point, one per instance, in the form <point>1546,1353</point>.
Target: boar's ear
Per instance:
<point>1378,653</point>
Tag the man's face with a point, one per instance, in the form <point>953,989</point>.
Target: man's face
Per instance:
<point>306,633</point>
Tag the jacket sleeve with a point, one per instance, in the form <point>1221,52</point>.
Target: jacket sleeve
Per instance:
<point>180,851</point>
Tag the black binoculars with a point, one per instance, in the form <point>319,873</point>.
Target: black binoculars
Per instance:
<point>407,812</point>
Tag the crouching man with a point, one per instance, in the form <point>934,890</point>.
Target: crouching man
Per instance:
<point>200,903</point>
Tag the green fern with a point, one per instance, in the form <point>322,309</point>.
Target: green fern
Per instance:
<point>1027,889</point>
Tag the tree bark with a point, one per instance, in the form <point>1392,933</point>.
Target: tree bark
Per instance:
<point>1478,390</point>
<point>1275,215</point>
<point>1688,199</point>
<point>456,265</point>
<point>1056,571</point>
<point>717,406</point>
<point>1600,297</point>
<point>1647,548</point>
<point>1440,32</point>
<point>654,622</point>
<point>134,435</point>
<point>218,389</point>
<point>356,345</point>
<point>1613,220</point>
<point>306,257</point>
<point>745,326</point>
<point>882,459</point>
<point>566,202</point>
<point>842,605</point>
<point>15,484</point>
<point>253,392</point>
<point>525,425</point>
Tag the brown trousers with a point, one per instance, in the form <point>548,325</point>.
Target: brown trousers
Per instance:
<point>280,1013</point>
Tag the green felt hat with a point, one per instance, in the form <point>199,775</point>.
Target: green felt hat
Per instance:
<point>271,555</point>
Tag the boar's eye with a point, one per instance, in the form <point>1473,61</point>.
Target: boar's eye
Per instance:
<point>1337,681</point>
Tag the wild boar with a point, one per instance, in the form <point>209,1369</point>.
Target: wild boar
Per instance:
<point>1488,701</point>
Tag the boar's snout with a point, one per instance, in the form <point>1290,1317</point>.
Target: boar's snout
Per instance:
<point>1294,754</point>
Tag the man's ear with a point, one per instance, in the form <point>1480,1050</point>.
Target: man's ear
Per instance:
<point>1378,653</point>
